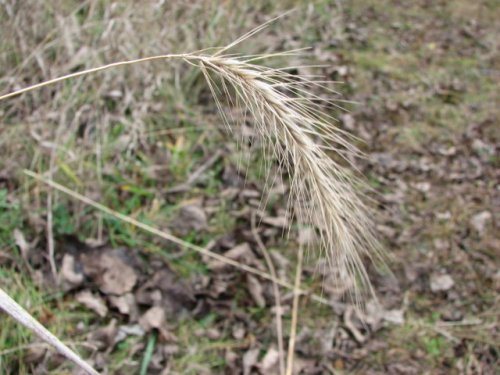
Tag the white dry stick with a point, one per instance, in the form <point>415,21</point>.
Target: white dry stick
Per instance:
<point>276,292</point>
<point>13,309</point>
<point>295,313</point>
<point>50,233</point>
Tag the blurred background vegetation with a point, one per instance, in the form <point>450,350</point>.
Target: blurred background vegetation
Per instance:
<point>419,84</point>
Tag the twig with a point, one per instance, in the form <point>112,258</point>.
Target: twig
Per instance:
<point>12,308</point>
<point>295,312</point>
<point>50,231</point>
<point>276,291</point>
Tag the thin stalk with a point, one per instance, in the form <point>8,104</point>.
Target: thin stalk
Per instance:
<point>171,238</point>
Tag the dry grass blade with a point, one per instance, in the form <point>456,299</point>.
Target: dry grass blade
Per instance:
<point>12,308</point>
<point>276,292</point>
<point>295,313</point>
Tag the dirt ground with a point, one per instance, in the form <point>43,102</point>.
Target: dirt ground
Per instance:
<point>419,87</point>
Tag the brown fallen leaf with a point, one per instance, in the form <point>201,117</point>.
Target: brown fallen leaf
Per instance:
<point>242,253</point>
<point>441,283</point>
<point>190,218</point>
<point>480,220</point>
<point>118,277</point>
<point>269,363</point>
<point>125,331</point>
<point>349,324</point>
<point>170,350</point>
<point>374,314</point>
<point>21,242</point>
<point>153,318</point>
<point>105,337</point>
<point>256,290</point>
<point>125,304</point>
<point>238,331</point>
<point>110,272</point>
<point>279,222</point>
<point>93,302</point>
<point>68,272</point>
<point>167,289</point>
<point>250,360</point>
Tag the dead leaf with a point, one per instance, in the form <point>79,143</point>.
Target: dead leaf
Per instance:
<point>269,364</point>
<point>21,243</point>
<point>119,278</point>
<point>105,336</point>
<point>190,218</point>
<point>423,187</point>
<point>93,302</point>
<point>302,365</point>
<point>279,221</point>
<point>125,331</point>
<point>110,272</point>
<point>170,350</point>
<point>68,273</point>
<point>441,283</point>
<point>212,333</point>
<point>153,318</point>
<point>480,220</point>
<point>239,331</point>
<point>349,324</point>
<point>34,354</point>
<point>250,360</point>
<point>387,231</point>
<point>375,313</point>
<point>394,316</point>
<point>231,359</point>
<point>256,290</point>
<point>167,289</point>
<point>125,304</point>
<point>242,253</point>
<point>348,121</point>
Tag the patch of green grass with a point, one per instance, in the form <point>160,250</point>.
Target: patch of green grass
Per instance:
<point>121,358</point>
<point>59,316</point>
<point>434,346</point>
<point>11,217</point>
<point>198,353</point>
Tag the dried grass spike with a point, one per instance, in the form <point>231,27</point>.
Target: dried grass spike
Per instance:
<point>300,136</point>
